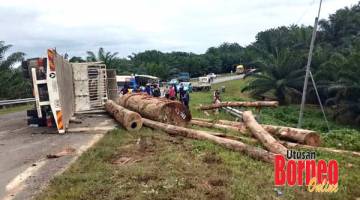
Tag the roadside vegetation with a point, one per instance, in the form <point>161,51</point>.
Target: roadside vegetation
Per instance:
<point>15,109</point>
<point>12,83</point>
<point>150,164</point>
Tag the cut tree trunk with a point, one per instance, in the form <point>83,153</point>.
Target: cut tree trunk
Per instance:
<point>240,104</point>
<point>252,151</point>
<point>327,149</point>
<point>290,145</point>
<point>302,136</point>
<point>158,109</point>
<point>262,135</point>
<point>130,120</point>
<point>241,129</point>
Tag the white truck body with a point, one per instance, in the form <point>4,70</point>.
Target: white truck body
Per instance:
<point>67,88</point>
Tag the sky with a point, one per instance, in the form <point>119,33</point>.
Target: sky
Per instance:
<point>126,27</point>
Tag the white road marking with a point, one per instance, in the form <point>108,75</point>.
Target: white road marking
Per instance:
<point>17,184</point>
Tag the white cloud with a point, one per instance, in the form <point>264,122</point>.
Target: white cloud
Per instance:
<point>75,26</point>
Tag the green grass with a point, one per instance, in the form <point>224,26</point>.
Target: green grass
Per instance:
<point>165,167</point>
<point>15,109</point>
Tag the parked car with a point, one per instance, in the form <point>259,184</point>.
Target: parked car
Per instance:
<point>174,81</point>
<point>203,84</point>
<point>187,86</point>
<point>211,75</point>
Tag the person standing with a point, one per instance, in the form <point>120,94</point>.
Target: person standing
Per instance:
<point>172,93</point>
<point>176,91</point>
<point>181,92</point>
<point>216,100</point>
<point>166,92</point>
<point>216,97</point>
<point>125,89</point>
<point>186,99</point>
<point>156,91</point>
<point>148,89</point>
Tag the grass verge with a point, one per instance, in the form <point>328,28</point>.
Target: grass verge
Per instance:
<point>13,109</point>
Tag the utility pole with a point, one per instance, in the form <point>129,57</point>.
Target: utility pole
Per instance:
<point>303,99</point>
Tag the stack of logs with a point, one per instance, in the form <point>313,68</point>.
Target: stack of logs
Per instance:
<point>134,110</point>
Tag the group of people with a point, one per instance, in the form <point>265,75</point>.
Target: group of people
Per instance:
<point>170,92</point>
<point>153,90</point>
<point>180,94</point>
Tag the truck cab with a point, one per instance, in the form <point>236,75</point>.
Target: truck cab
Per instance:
<point>184,77</point>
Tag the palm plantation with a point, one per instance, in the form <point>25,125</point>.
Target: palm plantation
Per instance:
<point>13,85</point>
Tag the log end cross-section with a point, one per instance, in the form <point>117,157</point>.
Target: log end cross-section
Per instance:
<point>130,120</point>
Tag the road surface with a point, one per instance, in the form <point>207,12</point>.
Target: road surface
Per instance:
<point>227,78</point>
<point>24,168</point>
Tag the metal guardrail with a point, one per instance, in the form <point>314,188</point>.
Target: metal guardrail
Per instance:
<point>16,101</point>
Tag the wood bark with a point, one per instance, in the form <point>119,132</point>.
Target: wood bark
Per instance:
<point>130,120</point>
<point>262,135</point>
<point>241,129</point>
<point>302,136</point>
<point>252,151</point>
<point>240,104</point>
<point>290,145</point>
<point>158,109</point>
<point>327,149</point>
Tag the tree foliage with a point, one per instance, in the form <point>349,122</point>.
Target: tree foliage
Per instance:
<point>13,85</point>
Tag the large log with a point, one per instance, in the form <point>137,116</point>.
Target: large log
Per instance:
<point>130,120</point>
<point>291,145</point>
<point>327,149</point>
<point>262,135</point>
<point>302,136</point>
<point>252,151</point>
<point>240,104</point>
<point>158,109</point>
<point>241,129</point>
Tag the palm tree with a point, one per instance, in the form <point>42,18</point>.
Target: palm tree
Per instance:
<point>279,76</point>
<point>106,57</point>
<point>343,87</point>
<point>7,63</point>
<point>12,82</point>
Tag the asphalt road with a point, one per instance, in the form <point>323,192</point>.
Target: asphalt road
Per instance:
<point>227,78</point>
<point>24,168</point>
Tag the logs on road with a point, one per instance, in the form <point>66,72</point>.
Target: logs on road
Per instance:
<point>302,136</point>
<point>262,135</point>
<point>252,151</point>
<point>158,109</point>
<point>240,104</point>
<point>130,120</point>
